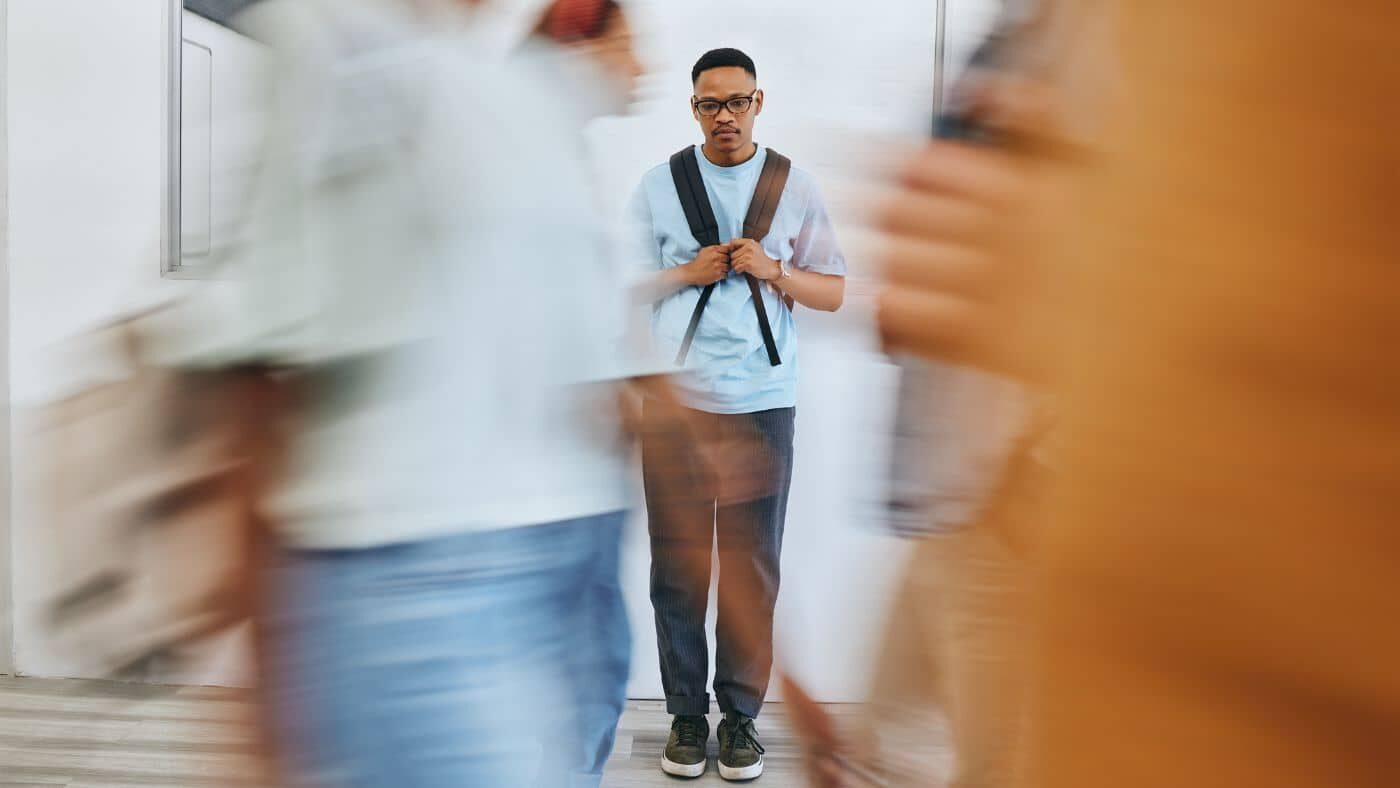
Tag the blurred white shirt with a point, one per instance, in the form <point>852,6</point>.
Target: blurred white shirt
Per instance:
<point>425,247</point>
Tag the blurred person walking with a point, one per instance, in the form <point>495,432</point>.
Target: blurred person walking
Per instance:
<point>444,607</point>
<point>730,236</point>
<point>1217,569</point>
<point>584,50</point>
<point>961,625</point>
<point>957,631</point>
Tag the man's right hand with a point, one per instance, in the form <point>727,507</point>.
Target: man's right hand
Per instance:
<point>708,267</point>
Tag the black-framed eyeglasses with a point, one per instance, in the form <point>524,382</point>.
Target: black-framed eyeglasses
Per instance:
<point>710,107</point>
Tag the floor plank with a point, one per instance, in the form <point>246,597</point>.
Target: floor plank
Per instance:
<point>85,734</point>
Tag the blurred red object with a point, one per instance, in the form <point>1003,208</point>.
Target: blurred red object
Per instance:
<point>573,20</point>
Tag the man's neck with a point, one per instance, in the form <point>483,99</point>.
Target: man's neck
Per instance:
<point>720,159</point>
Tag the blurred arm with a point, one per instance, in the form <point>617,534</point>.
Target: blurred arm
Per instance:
<point>661,284</point>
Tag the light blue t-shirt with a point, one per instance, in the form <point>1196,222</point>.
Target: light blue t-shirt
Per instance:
<point>727,369</point>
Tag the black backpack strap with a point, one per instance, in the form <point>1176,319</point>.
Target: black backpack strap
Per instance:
<point>690,187</point>
<point>699,214</point>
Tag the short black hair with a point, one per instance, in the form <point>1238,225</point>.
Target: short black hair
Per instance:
<point>722,58</point>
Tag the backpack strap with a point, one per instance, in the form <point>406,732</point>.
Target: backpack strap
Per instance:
<point>763,206</point>
<point>690,187</point>
<point>699,214</point>
<point>766,195</point>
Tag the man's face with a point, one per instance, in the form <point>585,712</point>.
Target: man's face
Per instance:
<point>727,131</point>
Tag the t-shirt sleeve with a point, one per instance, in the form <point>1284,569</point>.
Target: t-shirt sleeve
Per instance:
<point>816,249</point>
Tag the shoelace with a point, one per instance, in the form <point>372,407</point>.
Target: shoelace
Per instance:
<point>744,735</point>
<point>688,733</point>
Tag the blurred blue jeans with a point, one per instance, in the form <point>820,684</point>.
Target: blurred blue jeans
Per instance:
<point>495,658</point>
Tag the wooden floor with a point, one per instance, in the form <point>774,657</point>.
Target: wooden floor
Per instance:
<point>84,734</point>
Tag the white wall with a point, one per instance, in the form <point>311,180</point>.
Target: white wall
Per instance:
<point>85,154</point>
<point>842,81</point>
<point>85,83</point>
<point>832,79</point>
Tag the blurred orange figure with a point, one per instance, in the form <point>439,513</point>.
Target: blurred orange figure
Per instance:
<point>1219,566</point>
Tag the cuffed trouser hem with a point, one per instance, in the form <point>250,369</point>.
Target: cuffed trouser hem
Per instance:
<point>688,705</point>
<point>748,707</point>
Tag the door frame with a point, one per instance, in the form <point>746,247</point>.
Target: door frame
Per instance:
<point>7,645</point>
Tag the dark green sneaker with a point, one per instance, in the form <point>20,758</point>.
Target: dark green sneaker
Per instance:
<point>740,754</point>
<point>685,749</point>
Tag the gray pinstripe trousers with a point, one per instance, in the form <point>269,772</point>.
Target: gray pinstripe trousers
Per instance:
<point>723,481</point>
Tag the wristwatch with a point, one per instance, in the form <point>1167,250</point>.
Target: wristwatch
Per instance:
<point>786,274</point>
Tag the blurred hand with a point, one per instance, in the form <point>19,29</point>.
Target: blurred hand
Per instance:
<point>708,267</point>
<point>747,257</point>
<point>631,396</point>
<point>822,746</point>
<point>733,468</point>
<point>629,412</point>
<point>967,234</point>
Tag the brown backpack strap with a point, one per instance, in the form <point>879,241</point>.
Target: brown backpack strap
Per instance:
<point>766,195</point>
<point>685,173</point>
<point>764,205</point>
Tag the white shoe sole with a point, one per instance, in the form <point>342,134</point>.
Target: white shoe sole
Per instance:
<point>733,773</point>
<point>682,769</point>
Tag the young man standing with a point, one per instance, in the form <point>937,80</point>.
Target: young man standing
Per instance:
<point>731,236</point>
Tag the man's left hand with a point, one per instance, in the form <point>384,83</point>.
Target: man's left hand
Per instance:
<point>747,257</point>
